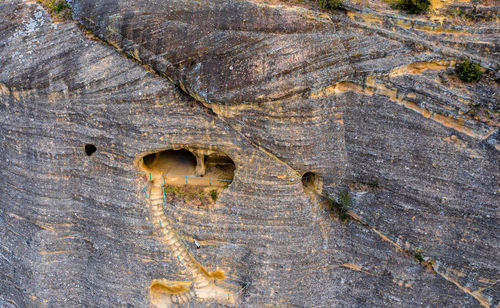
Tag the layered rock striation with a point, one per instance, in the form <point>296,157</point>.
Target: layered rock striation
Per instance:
<point>354,97</point>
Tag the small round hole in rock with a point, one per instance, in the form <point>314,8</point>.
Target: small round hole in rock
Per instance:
<point>308,179</point>
<point>311,181</point>
<point>90,149</point>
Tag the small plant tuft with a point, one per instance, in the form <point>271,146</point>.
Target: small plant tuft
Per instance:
<point>341,207</point>
<point>59,9</point>
<point>59,6</point>
<point>175,190</point>
<point>418,255</point>
<point>330,4</point>
<point>468,71</point>
<point>190,195</point>
<point>413,6</point>
<point>345,204</point>
<point>213,194</point>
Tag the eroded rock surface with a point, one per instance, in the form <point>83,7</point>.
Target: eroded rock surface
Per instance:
<point>352,96</point>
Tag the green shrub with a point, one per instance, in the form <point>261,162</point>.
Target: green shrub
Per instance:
<point>173,189</point>
<point>330,4</point>
<point>345,204</point>
<point>59,9</point>
<point>468,71</point>
<point>59,6</point>
<point>413,6</point>
<point>213,194</point>
<point>341,206</point>
<point>418,255</point>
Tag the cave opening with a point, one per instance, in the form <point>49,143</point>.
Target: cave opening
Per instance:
<point>90,149</point>
<point>181,162</point>
<point>200,167</point>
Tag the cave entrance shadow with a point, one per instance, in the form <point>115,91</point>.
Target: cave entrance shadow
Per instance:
<point>312,182</point>
<point>181,162</point>
<point>190,167</point>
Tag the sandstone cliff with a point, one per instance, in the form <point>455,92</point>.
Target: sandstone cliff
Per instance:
<point>363,99</point>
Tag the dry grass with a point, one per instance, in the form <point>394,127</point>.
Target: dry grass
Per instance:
<point>197,196</point>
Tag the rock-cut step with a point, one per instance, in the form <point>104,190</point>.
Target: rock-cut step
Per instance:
<point>203,284</point>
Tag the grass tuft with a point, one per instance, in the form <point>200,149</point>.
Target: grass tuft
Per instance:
<point>342,206</point>
<point>418,255</point>
<point>213,194</point>
<point>345,204</point>
<point>59,6</point>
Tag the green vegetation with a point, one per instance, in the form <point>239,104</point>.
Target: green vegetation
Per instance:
<point>468,71</point>
<point>59,9</point>
<point>192,195</point>
<point>202,197</point>
<point>342,206</point>
<point>175,190</point>
<point>418,255</point>
<point>330,4</point>
<point>413,6</point>
<point>213,194</point>
<point>345,204</point>
<point>59,6</point>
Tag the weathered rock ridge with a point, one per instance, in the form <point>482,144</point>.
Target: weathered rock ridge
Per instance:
<point>354,96</point>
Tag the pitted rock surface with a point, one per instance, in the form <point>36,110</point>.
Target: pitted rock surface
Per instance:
<point>283,91</point>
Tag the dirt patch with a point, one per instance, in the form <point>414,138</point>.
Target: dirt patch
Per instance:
<point>193,196</point>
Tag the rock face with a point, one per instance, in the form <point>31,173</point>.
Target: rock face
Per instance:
<point>357,97</point>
